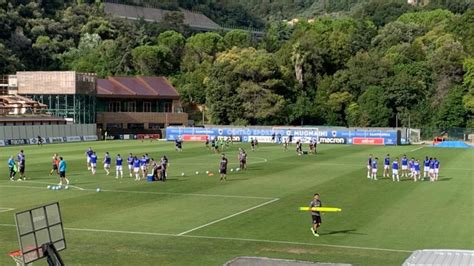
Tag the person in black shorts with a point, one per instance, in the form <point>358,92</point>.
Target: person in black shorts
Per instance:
<point>315,215</point>
<point>223,168</point>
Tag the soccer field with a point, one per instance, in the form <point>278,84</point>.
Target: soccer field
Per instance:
<point>197,220</point>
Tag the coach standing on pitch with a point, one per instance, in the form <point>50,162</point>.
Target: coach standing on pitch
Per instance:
<point>315,215</point>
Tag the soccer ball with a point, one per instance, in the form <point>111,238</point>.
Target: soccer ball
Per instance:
<point>207,172</point>
<point>98,190</point>
<point>66,187</point>
<point>49,187</point>
<point>182,174</point>
<point>232,169</point>
<point>197,173</point>
<point>238,169</point>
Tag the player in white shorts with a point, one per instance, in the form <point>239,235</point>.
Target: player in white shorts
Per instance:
<point>130,164</point>
<point>404,166</point>
<point>136,168</point>
<point>118,166</point>
<point>369,167</point>
<point>395,175</point>
<point>436,169</point>
<point>386,166</point>
<point>426,168</point>
<point>107,162</point>
<point>374,168</point>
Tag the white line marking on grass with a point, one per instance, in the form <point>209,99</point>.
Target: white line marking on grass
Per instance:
<point>228,217</point>
<point>6,209</point>
<point>157,193</point>
<point>297,243</point>
<point>228,238</point>
<point>419,148</point>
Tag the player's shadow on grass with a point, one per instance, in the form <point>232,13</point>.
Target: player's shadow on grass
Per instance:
<point>176,179</point>
<point>445,179</point>
<point>347,231</point>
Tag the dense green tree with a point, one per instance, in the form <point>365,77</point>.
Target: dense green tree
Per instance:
<point>152,60</point>
<point>451,113</point>
<point>237,38</point>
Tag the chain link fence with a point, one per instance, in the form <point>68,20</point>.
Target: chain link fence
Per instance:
<point>460,134</point>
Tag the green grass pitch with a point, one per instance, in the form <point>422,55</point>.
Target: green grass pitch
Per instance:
<point>197,220</point>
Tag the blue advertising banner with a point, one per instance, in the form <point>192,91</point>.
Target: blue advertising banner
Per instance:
<point>339,136</point>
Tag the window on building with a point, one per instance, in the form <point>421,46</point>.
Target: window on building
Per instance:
<point>147,107</point>
<point>155,125</point>
<point>114,107</point>
<point>131,106</point>
<point>136,126</point>
<point>167,107</point>
<point>114,125</point>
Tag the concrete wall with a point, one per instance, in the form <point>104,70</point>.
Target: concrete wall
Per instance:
<point>27,132</point>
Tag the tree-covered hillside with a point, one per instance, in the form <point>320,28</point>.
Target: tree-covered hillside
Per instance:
<point>365,66</point>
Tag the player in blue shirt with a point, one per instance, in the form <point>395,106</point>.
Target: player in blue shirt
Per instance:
<point>426,168</point>
<point>369,166</point>
<point>436,169</point>
<point>107,161</point>
<point>130,163</point>
<point>416,172</point>
<point>93,162</point>
<point>432,170</point>
<point>395,170</point>
<point>404,166</point>
<point>62,171</point>
<point>118,166</point>
<point>386,166</point>
<point>88,158</point>
<point>136,168</point>
<point>144,166</point>
<point>374,168</point>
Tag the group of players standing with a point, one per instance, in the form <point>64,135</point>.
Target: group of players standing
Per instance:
<point>142,168</point>
<point>410,168</point>
<point>17,166</point>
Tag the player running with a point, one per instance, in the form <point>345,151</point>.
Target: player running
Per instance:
<point>395,175</point>
<point>88,158</point>
<point>386,166</point>
<point>107,161</point>
<point>118,166</point>
<point>374,168</point>
<point>223,168</point>
<point>369,166</point>
<point>93,162</point>
<point>315,215</point>
<point>426,168</point>
<point>62,172</point>
<point>404,166</point>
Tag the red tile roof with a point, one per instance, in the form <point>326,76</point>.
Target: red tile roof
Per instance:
<point>155,87</point>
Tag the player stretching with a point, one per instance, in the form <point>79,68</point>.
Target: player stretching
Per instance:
<point>315,215</point>
<point>62,172</point>
<point>118,166</point>
<point>404,166</point>
<point>395,175</point>
<point>374,168</point>
<point>130,163</point>
<point>386,166</point>
<point>436,169</point>
<point>426,168</point>
<point>136,168</point>
<point>88,158</point>
<point>107,161</point>
<point>369,166</point>
<point>223,168</point>
<point>93,162</point>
